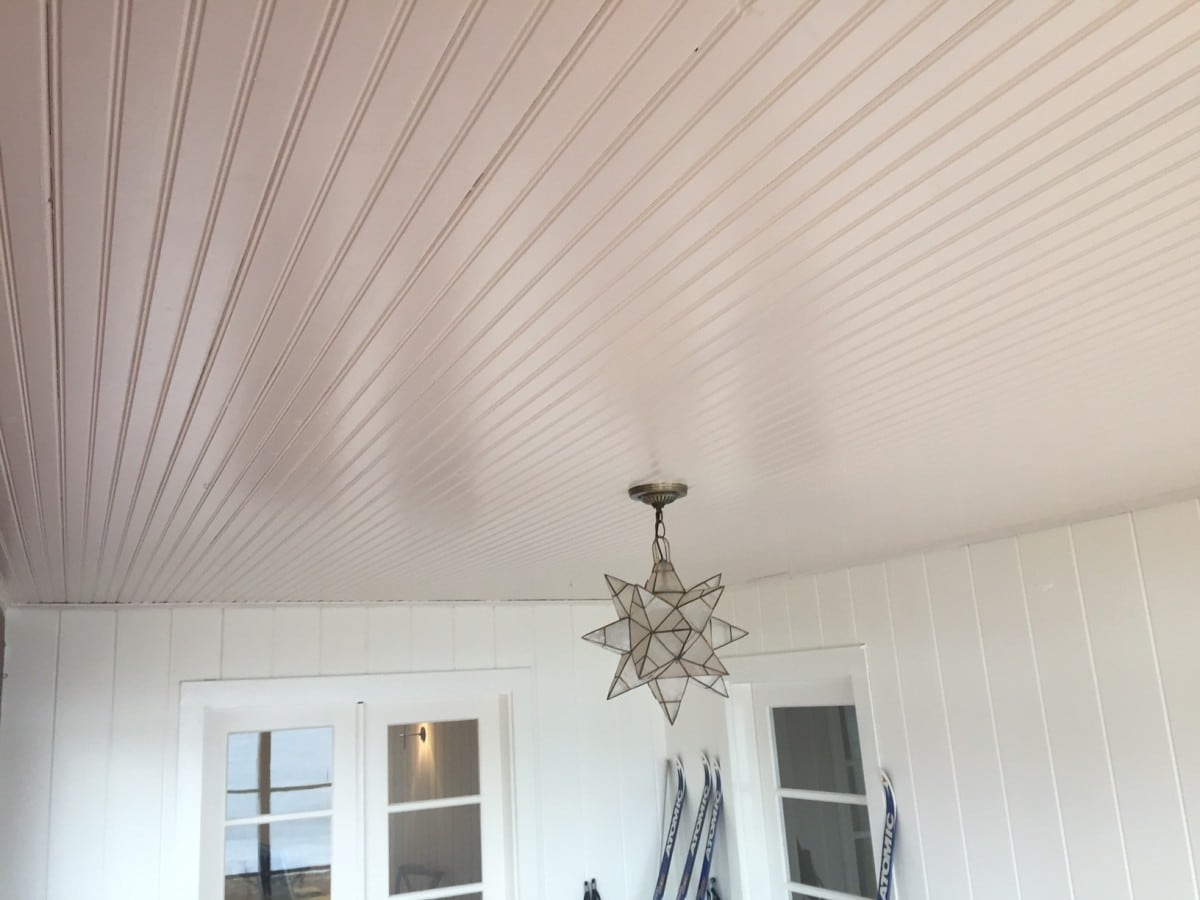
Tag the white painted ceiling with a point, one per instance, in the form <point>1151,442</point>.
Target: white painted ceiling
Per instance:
<point>374,300</point>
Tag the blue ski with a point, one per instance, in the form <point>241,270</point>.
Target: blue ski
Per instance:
<point>689,863</point>
<point>706,865</point>
<point>664,867</point>
<point>889,841</point>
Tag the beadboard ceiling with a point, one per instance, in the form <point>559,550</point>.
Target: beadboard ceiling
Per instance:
<point>368,300</point>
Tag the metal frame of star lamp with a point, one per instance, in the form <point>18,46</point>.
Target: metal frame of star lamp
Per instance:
<point>666,635</point>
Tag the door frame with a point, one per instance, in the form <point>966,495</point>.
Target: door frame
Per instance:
<point>836,668</point>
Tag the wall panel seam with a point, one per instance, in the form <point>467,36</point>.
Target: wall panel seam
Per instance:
<point>102,837</point>
<point>53,730</point>
<point>937,660</point>
<point>987,683</point>
<point>1162,701</point>
<point>1037,679</point>
<point>170,746</point>
<point>1112,776</point>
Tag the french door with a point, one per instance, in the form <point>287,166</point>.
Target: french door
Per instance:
<point>339,800</point>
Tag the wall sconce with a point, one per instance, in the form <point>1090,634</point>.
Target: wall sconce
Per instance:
<point>405,735</point>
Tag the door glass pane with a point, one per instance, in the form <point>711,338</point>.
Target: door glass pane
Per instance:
<point>817,749</point>
<point>278,860</point>
<point>829,845</point>
<point>272,772</point>
<point>444,763</point>
<point>432,848</point>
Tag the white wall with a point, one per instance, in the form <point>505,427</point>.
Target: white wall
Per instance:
<point>700,727</point>
<point>1037,703</point>
<point>87,730</point>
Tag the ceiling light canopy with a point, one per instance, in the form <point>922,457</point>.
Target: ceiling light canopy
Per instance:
<point>666,635</point>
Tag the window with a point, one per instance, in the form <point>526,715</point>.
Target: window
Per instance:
<point>343,792</point>
<point>278,813</point>
<point>277,808</point>
<point>819,790</point>
<point>801,724</point>
<point>436,817</point>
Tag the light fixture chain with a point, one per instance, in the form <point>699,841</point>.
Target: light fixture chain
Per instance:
<point>661,544</point>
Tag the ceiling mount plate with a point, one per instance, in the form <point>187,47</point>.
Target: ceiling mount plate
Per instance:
<point>658,493</point>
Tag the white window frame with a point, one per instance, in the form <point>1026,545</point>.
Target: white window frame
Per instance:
<point>378,718</point>
<point>208,709</point>
<point>346,853</point>
<point>756,683</point>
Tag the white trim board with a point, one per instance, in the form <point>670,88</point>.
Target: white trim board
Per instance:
<point>835,665</point>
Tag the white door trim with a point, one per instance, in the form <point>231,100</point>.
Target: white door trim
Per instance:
<point>845,666</point>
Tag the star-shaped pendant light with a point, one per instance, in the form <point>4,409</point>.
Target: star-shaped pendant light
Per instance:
<point>666,635</point>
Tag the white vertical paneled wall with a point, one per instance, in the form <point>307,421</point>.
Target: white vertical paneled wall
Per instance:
<point>90,716</point>
<point>1035,699</point>
<point>1037,702</point>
